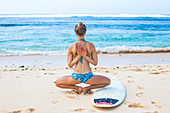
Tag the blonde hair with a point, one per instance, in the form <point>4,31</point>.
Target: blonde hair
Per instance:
<point>80,29</point>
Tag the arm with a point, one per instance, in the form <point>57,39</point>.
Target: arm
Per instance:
<point>70,61</point>
<point>93,60</point>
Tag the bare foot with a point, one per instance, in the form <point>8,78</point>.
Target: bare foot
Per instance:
<point>79,90</point>
<point>90,92</point>
<point>85,91</point>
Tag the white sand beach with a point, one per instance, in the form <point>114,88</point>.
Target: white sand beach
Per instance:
<point>31,88</point>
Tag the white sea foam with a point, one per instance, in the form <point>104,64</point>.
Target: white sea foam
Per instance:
<point>107,50</point>
<point>84,15</point>
<point>18,52</point>
<point>130,49</point>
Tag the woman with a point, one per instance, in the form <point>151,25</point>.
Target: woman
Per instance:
<point>81,54</point>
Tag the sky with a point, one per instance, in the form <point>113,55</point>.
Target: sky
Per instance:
<point>84,6</point>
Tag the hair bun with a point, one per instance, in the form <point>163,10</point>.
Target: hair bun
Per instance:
<point>80,29</point>
<point>80,25</point>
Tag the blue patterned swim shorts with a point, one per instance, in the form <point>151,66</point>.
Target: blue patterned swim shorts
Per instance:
<point>82,78</point>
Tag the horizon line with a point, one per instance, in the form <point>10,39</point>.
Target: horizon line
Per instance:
<point>86,14</point>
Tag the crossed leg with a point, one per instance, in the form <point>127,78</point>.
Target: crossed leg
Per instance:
<point>97,81</point>
<point>68,82</point>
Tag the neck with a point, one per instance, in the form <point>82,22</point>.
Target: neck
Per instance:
<point>80,37</point>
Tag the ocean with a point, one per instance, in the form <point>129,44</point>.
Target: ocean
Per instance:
<point>51,34</point>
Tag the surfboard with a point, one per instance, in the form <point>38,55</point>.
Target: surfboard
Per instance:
<point>110,96</point>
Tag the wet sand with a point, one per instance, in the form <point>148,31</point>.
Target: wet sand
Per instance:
<point>104,59</point>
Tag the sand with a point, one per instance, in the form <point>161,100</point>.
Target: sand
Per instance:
<point>31,89</point>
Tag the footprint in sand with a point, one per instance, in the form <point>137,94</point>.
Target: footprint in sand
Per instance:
<point>126,102</point>
<point>72,92</point>
<point>136,70</point>
<point>156,105</point>
<point>136,105</point>
<point>139,94</point>
<point>129,76</point>
<point>72,97</point>
<point>161,69</point>
<point>106,71</point>
<point>130,81</point>
<point>156,73</point>
<point>79,110</point>
<point>139,87</point>
<point>151,112</point>
<point>152,102</point>
<point>18,111</point>
<point>29,110</point>
<point>49,73</point>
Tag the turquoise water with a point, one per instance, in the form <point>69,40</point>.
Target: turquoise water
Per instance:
<point>52,34</point>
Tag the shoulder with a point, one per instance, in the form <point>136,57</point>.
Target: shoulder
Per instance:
<point>90,48</point>
<point>90,45</point>
<point>72,46</point>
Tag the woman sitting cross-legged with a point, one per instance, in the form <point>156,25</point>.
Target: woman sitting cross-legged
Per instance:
<point>81,54</point>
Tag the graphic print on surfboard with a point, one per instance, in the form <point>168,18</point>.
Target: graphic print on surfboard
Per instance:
<point>110,96</point>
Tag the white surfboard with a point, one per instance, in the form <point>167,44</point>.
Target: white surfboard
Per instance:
<point>110,96</point>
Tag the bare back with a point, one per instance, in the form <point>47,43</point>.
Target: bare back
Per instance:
<point>91,58</point>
